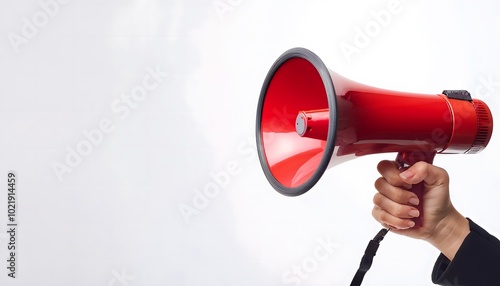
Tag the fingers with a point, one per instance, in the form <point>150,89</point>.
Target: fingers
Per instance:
<point>394,204</point>
<point>395,208</point>
<point>396,194</point>
<point>390,171</point>
<point>388,220</point>
<point>393,213</point>
<point>428,173</point>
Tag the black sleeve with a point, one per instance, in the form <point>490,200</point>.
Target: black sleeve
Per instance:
<point>477,261</point>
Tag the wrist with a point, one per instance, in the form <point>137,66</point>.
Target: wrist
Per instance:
<point>450,233</point>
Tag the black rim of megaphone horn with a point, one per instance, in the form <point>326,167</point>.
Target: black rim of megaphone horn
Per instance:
<point>332,105</point>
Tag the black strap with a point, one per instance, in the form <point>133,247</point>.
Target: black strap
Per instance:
<point>366,261</point>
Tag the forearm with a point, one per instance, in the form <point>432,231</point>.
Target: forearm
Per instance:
<point>450,233</point>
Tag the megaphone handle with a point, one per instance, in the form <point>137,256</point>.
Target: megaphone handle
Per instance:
<point>408,158</point>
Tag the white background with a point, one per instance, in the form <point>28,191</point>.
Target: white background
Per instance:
<point>115,219</point>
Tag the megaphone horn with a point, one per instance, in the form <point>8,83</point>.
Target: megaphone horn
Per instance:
<point>310,118</point>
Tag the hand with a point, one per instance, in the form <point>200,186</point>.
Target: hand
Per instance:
<point>442,225</point>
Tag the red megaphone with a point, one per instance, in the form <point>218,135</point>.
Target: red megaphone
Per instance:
<point>310,119</point>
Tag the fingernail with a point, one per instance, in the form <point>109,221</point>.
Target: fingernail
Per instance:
<point>407,174</point>
<point>414,213</point>
<point>414,201</point>
<point>411,224</point>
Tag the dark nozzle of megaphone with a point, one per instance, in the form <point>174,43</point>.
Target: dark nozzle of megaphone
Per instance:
<point>310,118</point>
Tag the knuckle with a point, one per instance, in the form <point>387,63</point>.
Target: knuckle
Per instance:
<point>400,196</point>
<point>379,183</point>
<point>382,165</point>
<point>421,165</point>
<point>377,199</point>
<point>422,168</point>
<point>383,217</point>
<point>394,179</point>
<point>375,212</point>
<point>400,211</point>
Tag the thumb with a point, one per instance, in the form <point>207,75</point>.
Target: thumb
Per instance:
<point>422,171</point>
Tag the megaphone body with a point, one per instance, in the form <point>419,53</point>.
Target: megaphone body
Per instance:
<point>310,119</point>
